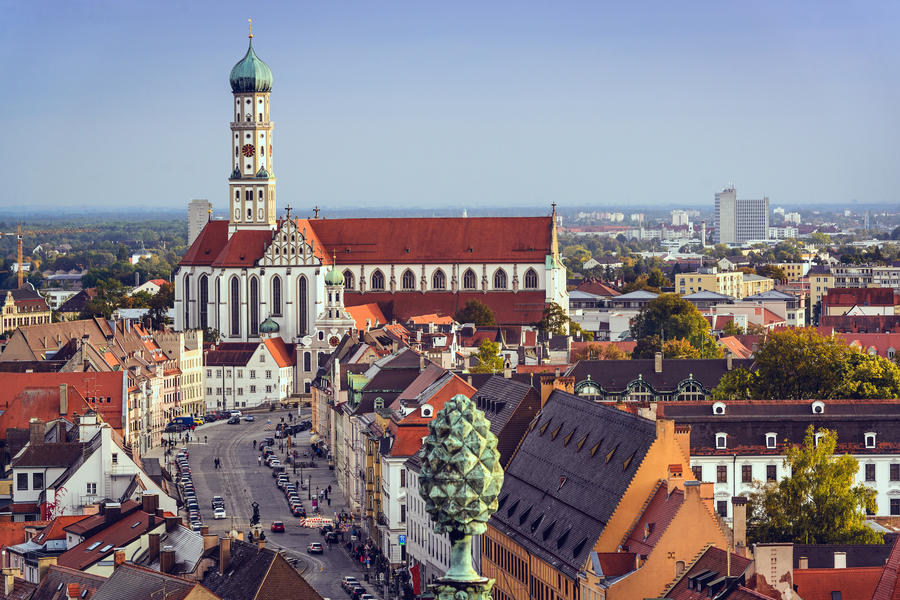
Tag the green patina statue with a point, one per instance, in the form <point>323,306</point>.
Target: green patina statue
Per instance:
<point>460,480</point>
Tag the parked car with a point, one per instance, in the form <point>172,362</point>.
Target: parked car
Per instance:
<point>234,420</point>
<point>315,548</point>
<point>278,526</point>
<point>347,581</point>
<point>249,418</point>
<point>219,512</point>
<point>217,501</point>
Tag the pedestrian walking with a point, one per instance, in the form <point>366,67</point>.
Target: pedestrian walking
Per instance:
<point>259,460</point>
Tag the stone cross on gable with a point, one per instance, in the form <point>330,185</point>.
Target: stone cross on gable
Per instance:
<point>316,212</point>
<point>288,211</point>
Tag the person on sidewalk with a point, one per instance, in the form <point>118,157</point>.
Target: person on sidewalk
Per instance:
<point>259,460</point>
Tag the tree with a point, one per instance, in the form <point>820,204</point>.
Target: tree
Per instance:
<point>771,271</point>
<point>656,279</point>
<point>489,359</point>
<point>679,348</point>
<point>820,239</point>
<point>597,351</point>
<point>555,321</point>
<point>476,312</point>
<point>731,328</point>
<point>670,316</point>
<point>800,364</point>
<point>641,282</point>
<point>161,303</point>
<point>817,503</point>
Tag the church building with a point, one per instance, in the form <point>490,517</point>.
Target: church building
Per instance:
<point>301,273</point>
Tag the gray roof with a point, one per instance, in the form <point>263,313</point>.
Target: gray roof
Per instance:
<point>188,547</point>
<point>499,398</point>
<point>615,375</point>
<point>771,295</point>
<point>637,295</point>
<point>580,295</point>
<point>707,295</point>
<point>129,582</point>
<point>53,585</point>
<point>568,476</point>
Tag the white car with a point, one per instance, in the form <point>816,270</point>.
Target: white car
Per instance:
<point>219,513</point>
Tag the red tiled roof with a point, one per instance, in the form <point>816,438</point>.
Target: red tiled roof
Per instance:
<point>279,350</point>
<point>542,368</point>
<point>863,323</point>
<point>857,582</point>
<point>118,534</point>
<point>367,312</point>
<point>55,530</point>
<point>13,532</point>
<point>208,244</point>
<point>27,395</point>
<point>408,440</point>
<point>158,281</point>
<point>436,240</point>
<point>880,342</point>
<point>738,349</point>
<point>523,308</point>
<point>887,588</point>
<point>244,248</point>
<point>598,288</point>
<point>455,385</point>
<point>431,318</point>
<point>656,517</point>
<point>850,297</point>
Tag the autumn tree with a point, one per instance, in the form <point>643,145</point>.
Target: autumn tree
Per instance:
<point>555,321</point>
<point>670,316</point>
<point>476,312</point>
<point>732,328</point>
<point>160,304</point>
<point>488,357</point>
<point>597,351</point>
<point>818,502</point>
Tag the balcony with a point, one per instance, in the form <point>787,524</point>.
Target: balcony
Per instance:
<point>382,519</point>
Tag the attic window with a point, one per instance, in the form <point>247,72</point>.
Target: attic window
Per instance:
<point>578,548</point>
<point>595,448</point>
<point>870,439</point>
<point>568,437</point>
<point>771,440</point>
<point>545,426</point>
<point>502,501</point>
<point>562,539</point>
<point>628,461</point>
<point>548,531</point>
<point>524,516</point>
<point>718,408</point>
<point>93,546</point>
<point>537,523</point>
<point>555,432</point>
<point>611,453</point>
<point>818,407</point>
<point>136,523</point>
<point>512,508</point>
<point>721,440</point>
<point>106,548</point>
<point>562,482</point>
<point>581,442</point>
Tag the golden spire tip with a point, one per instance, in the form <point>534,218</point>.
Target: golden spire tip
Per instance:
<point>250,28</point>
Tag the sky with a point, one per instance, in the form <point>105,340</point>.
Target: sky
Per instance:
<point>111,104</point>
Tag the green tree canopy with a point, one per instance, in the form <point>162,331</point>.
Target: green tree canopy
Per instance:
<point>817,503</point>
<point>670,316</point>
<point>489,359</point>
<point>555,321</point>
<point>476,312</point>
<point>800,364</point>
<point>161,303</point>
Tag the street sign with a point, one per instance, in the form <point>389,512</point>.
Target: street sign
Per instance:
<point>401,539</point>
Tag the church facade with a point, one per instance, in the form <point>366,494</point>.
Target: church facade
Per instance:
<point>301,274</point>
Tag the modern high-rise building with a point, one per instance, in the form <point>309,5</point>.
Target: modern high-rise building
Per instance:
<point>739,221</point>
<point>198,215</point>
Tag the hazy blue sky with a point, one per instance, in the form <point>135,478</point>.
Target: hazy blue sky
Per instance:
<point>122,103</point>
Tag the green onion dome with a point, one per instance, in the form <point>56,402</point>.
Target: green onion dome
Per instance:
<point>251,74</point>
<point>268,326</point>
<point>334,277</point>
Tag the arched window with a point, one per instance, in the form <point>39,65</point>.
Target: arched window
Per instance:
<point>204,301</point>
<point>408,281</point>
<point>235,307</point>
<point>531,280</point>
<point>499,279</point>
<point>302,301</point>
<point>218,301</point>
<point>640,392</point>
<point>254,306</point>
<point>691,391</point>
<point>439,280</point>
<point>377,280</point>
<point>187,301</point>
<point>348,280</point>
<point>469,280</point>
<point>276,295</point>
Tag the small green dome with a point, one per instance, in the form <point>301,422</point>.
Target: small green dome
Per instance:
<point>251,74</point>
<point>268,326</point>
<point>334,277</point>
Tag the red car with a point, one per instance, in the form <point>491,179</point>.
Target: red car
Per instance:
<point>277,527</point>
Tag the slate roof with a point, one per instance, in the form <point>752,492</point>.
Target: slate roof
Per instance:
<point>746,422</point>
<point>54,584</point>
<point>615,375</point>
<point>499,398</point>
<point>48,455</point>
<point>568,476</point>
<point>229,354</point>
<point>132,582</point>
<point>821,556</point>
<point>77,302</point>
<point>713,560</point>
<point>188,547</point>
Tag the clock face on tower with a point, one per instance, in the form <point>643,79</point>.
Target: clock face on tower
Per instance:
<point>248,150</point>
<point>334,341</point>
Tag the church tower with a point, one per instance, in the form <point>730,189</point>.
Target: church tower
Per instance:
<point>251,185</point>
<point>334,321</point>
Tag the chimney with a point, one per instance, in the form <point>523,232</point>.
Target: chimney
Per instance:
<point>119,557</point>
<point>35,431</point>
<point>728,357</point>
<point>657,362</point>
<point>167,559</point>
<point>804,563</point>
<point>172,523</point>
<point>507,370</point>
<point>691,489</point>
<point>63,399</point>
<point>113,512</point>
<point>9,581</point>
<point>739,524</point>
<point>73,591</point>
<point>153,550</point>
<point>840,560</point>
<point>224,554</point>
<point>260,545</point>
<point>150,503</point>
<point>421,362</point>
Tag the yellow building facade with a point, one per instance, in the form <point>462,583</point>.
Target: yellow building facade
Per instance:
<point>731,283</point>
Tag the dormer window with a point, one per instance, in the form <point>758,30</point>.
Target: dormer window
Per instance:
<point>718,408</point>
<point>721,441</point>
<point>870,439</point>
<point>771,440</point>
<point>818,407</point>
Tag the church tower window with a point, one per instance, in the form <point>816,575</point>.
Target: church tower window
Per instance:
<point>254,306</point>
<point>276,295</point>
<point>439,280</point>
<point>302,301</point>
<point>187,301</point>
<point>235,305</point>
<point>377,280</point>
<point>469,280</point>
<point>204,301</point>
<point>500,279</point>
<point>409,280</point>
<point>531,280</point>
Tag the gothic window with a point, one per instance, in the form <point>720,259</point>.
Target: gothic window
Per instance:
<point>500,279</point>
<point>254,306</point>
<point>469,280</point>
<point>218,300</point>
<point>204,301</point>
<point>531,280</point>
<point>409,280</point>
<point>377,280</point>
<point>276,295</point>
<point>187,301</point>
<point>302,319</point>
<point>348,279</point>
<point>234,304</point>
